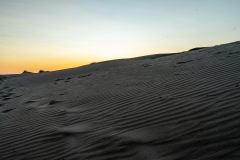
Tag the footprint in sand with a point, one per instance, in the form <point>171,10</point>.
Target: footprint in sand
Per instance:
<point>146,65</point>
<point>8,110</point>
<point>184,62</point>
<point>60,79</point>
<point>52,102</point>
<point>7,95</point>
<point>6,99</point>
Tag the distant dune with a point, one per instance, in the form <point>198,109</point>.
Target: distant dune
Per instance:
<point>158,107</point>
<point>26,72</point>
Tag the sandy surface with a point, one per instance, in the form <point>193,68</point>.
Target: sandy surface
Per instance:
<point>180,106</point>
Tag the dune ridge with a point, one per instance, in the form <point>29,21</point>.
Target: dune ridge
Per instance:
<point>177,106</point>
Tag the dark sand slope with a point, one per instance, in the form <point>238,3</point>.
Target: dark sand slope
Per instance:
<point>181,106</point>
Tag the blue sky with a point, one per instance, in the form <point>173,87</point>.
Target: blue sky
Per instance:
<point>75,32</point>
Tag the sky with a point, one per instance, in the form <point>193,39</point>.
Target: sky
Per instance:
<point>59,34</point>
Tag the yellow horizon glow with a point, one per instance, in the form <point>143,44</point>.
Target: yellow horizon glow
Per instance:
<point>17,67</point>
<point>33,56</point>
<point>51,35</point>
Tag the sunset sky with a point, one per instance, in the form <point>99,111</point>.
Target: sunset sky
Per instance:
<point>59,34</point>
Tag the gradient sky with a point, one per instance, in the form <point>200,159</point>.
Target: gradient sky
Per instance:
<point>58,34</point>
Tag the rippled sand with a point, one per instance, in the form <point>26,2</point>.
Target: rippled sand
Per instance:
<point>176,106</point>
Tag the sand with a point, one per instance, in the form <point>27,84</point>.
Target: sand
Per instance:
<point>177,106</point>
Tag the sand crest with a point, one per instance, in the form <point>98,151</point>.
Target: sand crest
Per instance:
<point>176,106</point>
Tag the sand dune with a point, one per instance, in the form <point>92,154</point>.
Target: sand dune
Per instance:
<point>177,106</point>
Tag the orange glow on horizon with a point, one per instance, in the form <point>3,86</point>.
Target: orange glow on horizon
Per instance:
<point>45,35</point>
<point>17,67</point>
